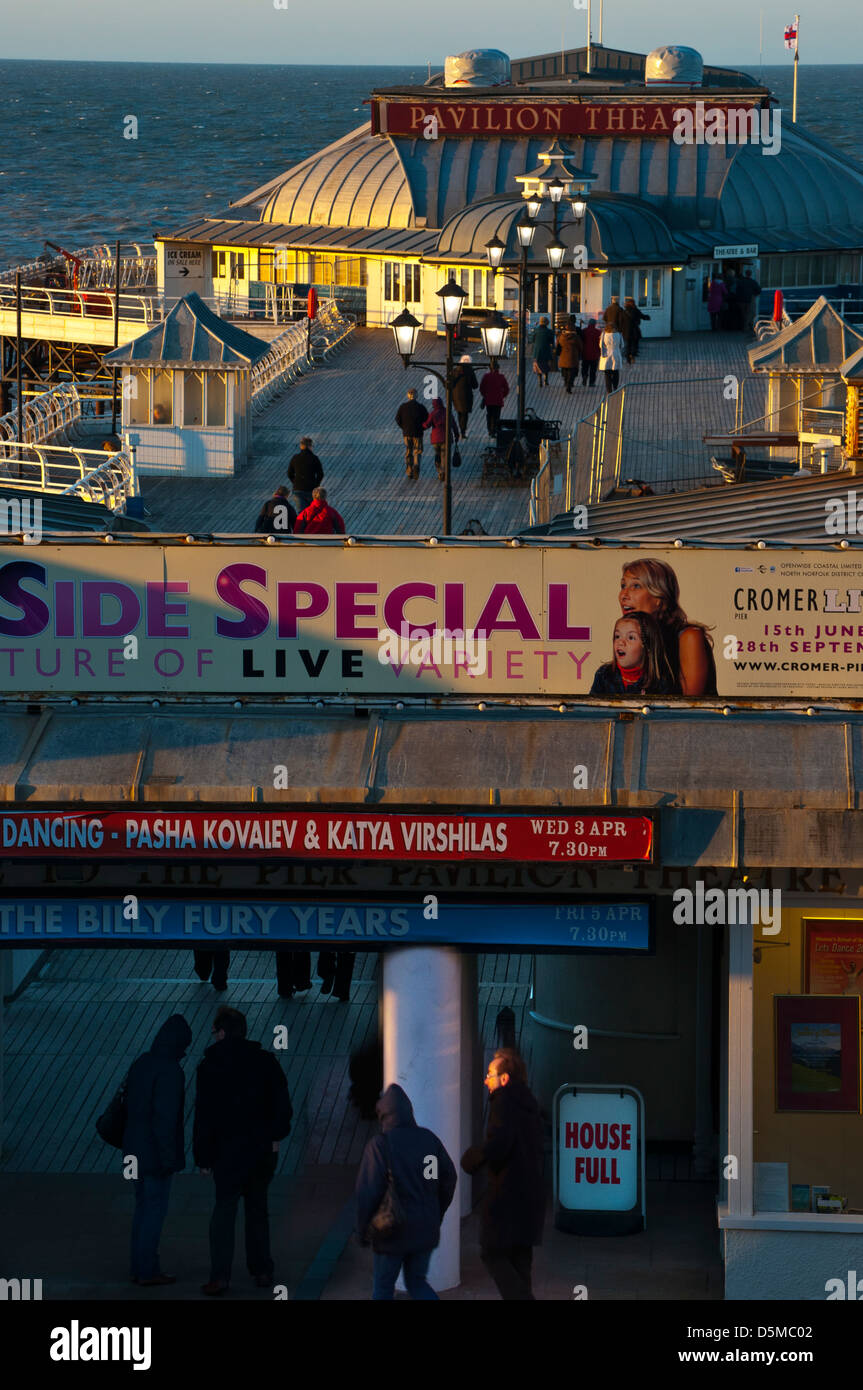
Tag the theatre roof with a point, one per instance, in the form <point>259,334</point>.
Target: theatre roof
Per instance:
<point>819,341</point>
<point>786,511</point>
<point>615,230</point>
<point>761,787</point>
<point>191,335</point>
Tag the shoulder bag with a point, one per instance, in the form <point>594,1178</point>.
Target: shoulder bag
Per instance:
<point>111,1124</point>
<point>389,1218</point>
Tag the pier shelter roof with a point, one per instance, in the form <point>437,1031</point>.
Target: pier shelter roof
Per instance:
<point>380,241</point>
<point>191,336</point>
<point>818,342</point>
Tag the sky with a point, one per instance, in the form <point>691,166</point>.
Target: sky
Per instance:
<point>409,32</point>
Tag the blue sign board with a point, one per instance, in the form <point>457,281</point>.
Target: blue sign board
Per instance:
<point>582,926</point>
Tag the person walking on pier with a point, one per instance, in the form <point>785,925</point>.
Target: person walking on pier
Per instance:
<point>590,353</point>
<point>543,351</point>
<point>400,1158</point>
<point>276,517</point>
<point>336,969</point>
<point>613,314</point>
<point>242,1112</point>
<point>717,295</point>
<point>569,345</point>
<point>632,333</point>
<point>411,418</point>
<point>611,359</point>
<point>513,1210</point>
<point>436,423</point>
<point>464,383</point>
<point>153,1135</point>
<point>494,389</point>
<point>305,473</point>
<point>748,291</point>
<point>319,519</point>
<point>213,965</point>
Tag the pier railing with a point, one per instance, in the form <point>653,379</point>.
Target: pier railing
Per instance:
<point>35,299</point>
<point>68,472</point>
<point>43,416</point>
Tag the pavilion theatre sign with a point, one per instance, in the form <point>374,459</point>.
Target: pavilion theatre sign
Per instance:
<point>587,837</point>
<point>395,619</point>
<point>516,118</point>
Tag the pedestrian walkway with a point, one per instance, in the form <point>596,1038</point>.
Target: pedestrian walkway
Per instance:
<point>347,406</point>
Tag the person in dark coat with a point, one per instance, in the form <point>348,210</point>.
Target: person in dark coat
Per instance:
<point>411,418</point>
<point>293,972</point>
<point>464,383</point>
<point>590,352</point>
<point>436,423</point>
<point>494,389</point>
<point>156,1091</point>
<point>336,969</point>
<point>569,346</point>
<point>514,1206</point>
<point>277,517</point>
<point>748,291</point>
<point>242,1111</point>
<point>632,328</point>
<point>612,314</point>
<point>424,1196</point>
<point>213,965</point>
<point>305,472</point>
<point>543,351</point>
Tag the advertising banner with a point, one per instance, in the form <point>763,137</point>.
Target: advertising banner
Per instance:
<point>591,927</point>
<point>834,956</point>
<point>587,837</point>
<point>314,619</point>
<point>515,118</point>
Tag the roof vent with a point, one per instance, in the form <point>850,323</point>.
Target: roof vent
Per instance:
<point>674,65</point>
<point>478,67</point>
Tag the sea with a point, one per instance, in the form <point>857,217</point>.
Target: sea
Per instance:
<point>209,133</point>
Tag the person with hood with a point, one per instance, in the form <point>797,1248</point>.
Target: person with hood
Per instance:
<point>155,1096</point>
<point>403,1147</point>
<point>305,473</point>
<point>464,383</point>
<point>277,517</point>
<point>436,422</point>
<point>543,351</point>
<point>242,1110</point>
<point>320,519</point>
<point>569,345</point>
<point>514,1206</point>
<point>494,389</point>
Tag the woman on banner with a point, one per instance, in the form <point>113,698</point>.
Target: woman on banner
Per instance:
<point>650,586</point>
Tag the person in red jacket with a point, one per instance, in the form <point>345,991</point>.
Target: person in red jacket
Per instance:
<point>436,422</point>
<point>319,519</point>
<point>494,389</point>
<point>589,353</point>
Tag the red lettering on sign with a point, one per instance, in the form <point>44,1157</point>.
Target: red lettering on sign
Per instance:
<point>625,1132</point>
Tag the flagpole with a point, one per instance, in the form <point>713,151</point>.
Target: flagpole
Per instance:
<point>796,60</point>
<point>761,47</point>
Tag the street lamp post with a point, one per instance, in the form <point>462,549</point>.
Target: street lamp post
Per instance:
<point>406,330</point>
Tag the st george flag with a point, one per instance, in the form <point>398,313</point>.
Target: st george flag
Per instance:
<point>791,34</point>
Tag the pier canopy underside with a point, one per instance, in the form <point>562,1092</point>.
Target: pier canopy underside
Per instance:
<point>801,775</point>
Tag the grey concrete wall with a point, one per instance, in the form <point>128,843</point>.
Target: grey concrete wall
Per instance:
<point>788,1264</point>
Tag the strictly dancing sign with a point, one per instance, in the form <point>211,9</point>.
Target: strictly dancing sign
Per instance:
<point>403,619</point>
<point>588,837</point>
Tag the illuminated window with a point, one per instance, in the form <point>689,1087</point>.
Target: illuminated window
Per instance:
<point>137,389</point>
<point>163,398</point>
<point>216,397</point>
<point>193,398</point>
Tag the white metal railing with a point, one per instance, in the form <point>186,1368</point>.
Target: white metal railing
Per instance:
<point>69,472</point>
<point>43,416</point>
<point>137,265</point>
<point>35,299</point>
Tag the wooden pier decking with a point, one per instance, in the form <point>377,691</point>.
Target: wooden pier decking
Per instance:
<point>348,405</point>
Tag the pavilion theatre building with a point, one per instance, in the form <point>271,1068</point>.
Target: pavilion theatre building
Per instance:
<point>683,873</point>
<point>672,171</point>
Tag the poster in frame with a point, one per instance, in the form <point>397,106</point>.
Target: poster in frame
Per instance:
<point>817,1040</point>
<point>833,960</point>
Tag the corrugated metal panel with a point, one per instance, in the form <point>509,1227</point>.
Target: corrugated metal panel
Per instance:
<point>788,511</point>
<point>400,241</point>
<point>619,230</point>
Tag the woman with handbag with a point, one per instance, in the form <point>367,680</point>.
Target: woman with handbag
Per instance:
<point>611,358</point>
<point>402,1198</point>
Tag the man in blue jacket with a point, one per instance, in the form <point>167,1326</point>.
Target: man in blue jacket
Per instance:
<point>156,1091</point>
<point>425,1179</point>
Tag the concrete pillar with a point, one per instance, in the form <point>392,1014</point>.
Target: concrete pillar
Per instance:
<point>740,1085</point>
<point>471,1075</point>
<point>702,1152</point>
<point>422,1016</point>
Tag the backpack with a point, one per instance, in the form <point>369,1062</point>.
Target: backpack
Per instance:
<point>111,1124</point>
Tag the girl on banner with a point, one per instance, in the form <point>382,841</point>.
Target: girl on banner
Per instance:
<point>639,665</point>
<point>650,586</point>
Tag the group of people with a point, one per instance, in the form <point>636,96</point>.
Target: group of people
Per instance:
<point>413,419</point>
<point>656,649</point>
<point>242,1113</point>
<point>396,1163</point>
<point>732,300</point>
<point>306,511</point>
<point>590,347</point>
<point>293,971</point>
